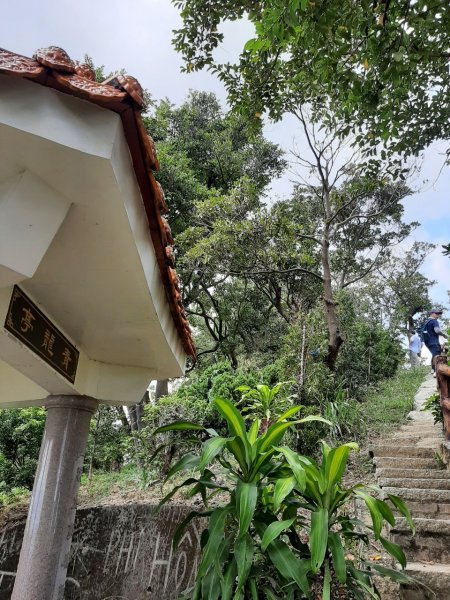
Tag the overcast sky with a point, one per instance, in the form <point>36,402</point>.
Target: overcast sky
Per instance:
<point>136,35</point>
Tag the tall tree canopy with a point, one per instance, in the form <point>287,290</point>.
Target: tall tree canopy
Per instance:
<point>201,148</point>
<point>383,64</point>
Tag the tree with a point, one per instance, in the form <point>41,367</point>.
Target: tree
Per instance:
<point>21,432</point>
<point>205,156</point>
<point>245,271</point>
<point>407,287</point>
<point>202,149</point>
<point>354,219</point>
<point>382,65</point>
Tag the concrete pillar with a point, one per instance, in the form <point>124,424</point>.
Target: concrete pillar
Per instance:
<point>46,543</point>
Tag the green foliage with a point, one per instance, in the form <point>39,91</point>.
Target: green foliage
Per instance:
<point>108,440</point>
<point>433,404</point>
<point>192,402</point>
<point>13,495</point>
<point>21,432</point>
<point>203,150</point>
<point>388,404</point>
<point>265,403</point>
<point>277,499</point>
<point>382,66</point>
<point>371,353</point>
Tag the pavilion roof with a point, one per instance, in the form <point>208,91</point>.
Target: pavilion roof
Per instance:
<point>122,93</point>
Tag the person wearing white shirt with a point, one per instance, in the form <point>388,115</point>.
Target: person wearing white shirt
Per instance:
<point>415,347</point>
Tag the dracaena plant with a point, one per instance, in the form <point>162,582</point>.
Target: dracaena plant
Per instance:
<point>281,531</point>
<point>264,403</point>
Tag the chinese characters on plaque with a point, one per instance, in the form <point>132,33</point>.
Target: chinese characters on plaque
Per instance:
<point>27,323</point>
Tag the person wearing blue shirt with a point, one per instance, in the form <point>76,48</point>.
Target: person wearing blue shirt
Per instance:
<point>433,330</point>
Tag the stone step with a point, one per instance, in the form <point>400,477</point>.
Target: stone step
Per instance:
<point>404,451</point>
<point>406,462</point>
<point>385,472</point>
<point>424,526</point>
<point>408,482</point>
<point>423,428</point>
<point>432,441</point>
<point>435,576</point>
<point>427,424</point>
<point>419,495</point>
<point>429,510</point>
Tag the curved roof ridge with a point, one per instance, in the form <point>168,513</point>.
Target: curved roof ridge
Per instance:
<point>122,93</point>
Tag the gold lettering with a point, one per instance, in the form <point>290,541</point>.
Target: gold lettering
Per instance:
<point>49,340</point>
<point>67,358</point>
<point>27,320</point>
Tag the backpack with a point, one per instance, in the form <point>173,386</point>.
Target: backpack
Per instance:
<point>422,331</point>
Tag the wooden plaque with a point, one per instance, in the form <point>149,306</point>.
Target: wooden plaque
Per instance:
<point>28,323</point>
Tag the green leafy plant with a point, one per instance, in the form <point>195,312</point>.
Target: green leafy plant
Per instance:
<point>433,404</point>
<point>345,416</point>
<point>283,529</point>
<point>264,403</point>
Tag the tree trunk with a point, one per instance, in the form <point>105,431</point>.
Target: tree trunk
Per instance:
<point>411,327</point>
<point>335,339</point>
<point>124,419</point>
<point>162,389</point>
<point>94,445</point>
<point>136,412</point>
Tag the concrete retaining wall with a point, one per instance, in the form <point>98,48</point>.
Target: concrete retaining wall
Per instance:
<point>118,552</point>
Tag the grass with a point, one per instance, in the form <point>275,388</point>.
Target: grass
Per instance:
<point>17,495</point>
<point>105,484</point>
<point>387,407</point>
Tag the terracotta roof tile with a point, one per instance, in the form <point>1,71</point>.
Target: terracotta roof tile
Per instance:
<point>14,64</point>
<point>84,70</point>
<point>86,88</point>
<point>123,94</point>
<point>56,58</point>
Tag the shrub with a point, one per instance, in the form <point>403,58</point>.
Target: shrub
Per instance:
<point>284,529</point>
<point>21,432</point>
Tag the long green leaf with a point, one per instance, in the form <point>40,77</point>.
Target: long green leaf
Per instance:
<point>179,426</point>
<point>274,530</point>
<point>377,517</point>
<point>273,435</point>
<point>211,585</point>
<point>338,555</point>
<point>211,449</point>
<point>253,431</point>
<point>289,413</point>
<point>227,583</point>
<point>283,488</point>
<point>253,589</point>
<point>232,416</point>
<point>216,533</point>
<point>403,509</point>
<point>173,491</point>
<point>289,565</point>
<point>335,464</point>
<point>246,498</point>
<point>318,538</point>
<point>398,576</point>
<point>296,466</point>
<point>184,523</point>
<point>243,553</point>
<point>387,513</point>
<point>394,550</point>
<point>257,465</point>
<point>237,448</point>
<point>189,461</point>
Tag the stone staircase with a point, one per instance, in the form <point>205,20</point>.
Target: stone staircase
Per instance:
<point>408,465</point>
